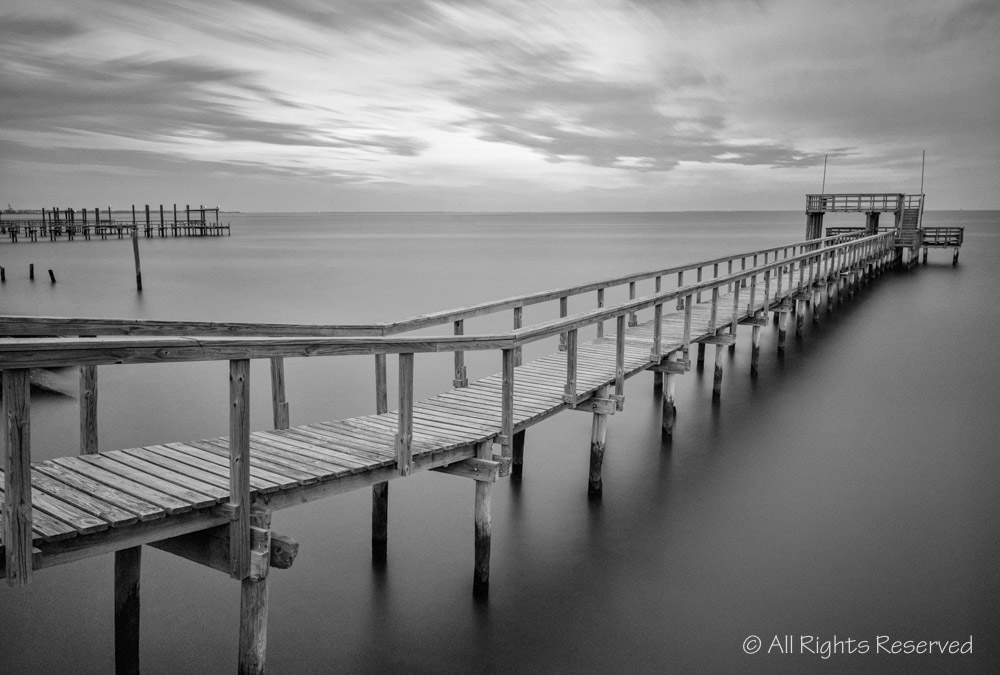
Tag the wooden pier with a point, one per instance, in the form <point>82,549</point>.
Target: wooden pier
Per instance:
<point>908,213</point>
<point>56,223</point>
<point>210,500</point>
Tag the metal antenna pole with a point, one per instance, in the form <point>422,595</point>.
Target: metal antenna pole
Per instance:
<point>923,156</point>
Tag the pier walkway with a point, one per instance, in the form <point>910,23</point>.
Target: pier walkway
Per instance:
<point>210,500</point>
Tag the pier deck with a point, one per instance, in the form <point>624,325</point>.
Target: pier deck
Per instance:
<point>210,500</point>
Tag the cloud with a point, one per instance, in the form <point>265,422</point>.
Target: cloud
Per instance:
<point>465,95</point>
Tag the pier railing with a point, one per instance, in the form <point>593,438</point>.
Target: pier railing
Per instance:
<point>794,272</point>
<point>851,202</point>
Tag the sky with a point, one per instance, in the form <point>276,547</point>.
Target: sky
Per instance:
<point>576,105</point>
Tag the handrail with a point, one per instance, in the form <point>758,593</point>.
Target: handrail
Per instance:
<point>33,325</point>
<point>856,201</point>
<point>459,314</point>
<point>17,355</point>
<point>53,326</point>
<point>61,351</point>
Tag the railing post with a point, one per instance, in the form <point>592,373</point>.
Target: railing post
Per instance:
<point>88,410</point>
<point>687,326</point>
<point>279,406</point>
<point>713,316</point>
<point>698,280</point>
<point>657,331</point>
<point>239,468</point>
<point>17,539</point>
<point>680,283</point>
<point>620,362</point>
<point>767,292</point>
<point>569,392</point>
<point>563,313</point>
<point>736,311</point>
<point>600,304</point>
<point>404,433</point>
<point>633,320</point>
<point>507,403</point>
<point>518,323</point>
<point>461,380</point>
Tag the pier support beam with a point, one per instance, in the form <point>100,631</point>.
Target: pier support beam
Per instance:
<point>380,523</point>
<point>871,222</point>
<point>782,313</point>
<point>598,436</point>
<point>800,317</point>
<point>669,396</point>
<point>481,571</point>
<point>671,366</point>
<point>717,378</point>
<point>253,597</point>
<point>701,355</point>
<point>814,225</point>
<point>517,456</point>
<point>759,321</point>
<point>128,566</point>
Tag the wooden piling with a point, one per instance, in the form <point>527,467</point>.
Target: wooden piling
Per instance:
<point>483,527</point>
<point>253,598</point>
<point>380,523</point>
<point>135,251</point>
<point>782,328</point>
<point>128,567</point>
<point>669,417</point>
<point>701,355</point>
<point>239,468</point>
<point>31,271</point>
<point>717,376</point>
<point>517,457</point>
<point>380,491</point>
<point>598,436</point>
<point>15,419</point>
<point>755,348</point>
<point>52,276</point>
<point>800,317</point>
<point>88,410</point>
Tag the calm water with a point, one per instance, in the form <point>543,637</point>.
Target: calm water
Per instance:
<point>849,493</point>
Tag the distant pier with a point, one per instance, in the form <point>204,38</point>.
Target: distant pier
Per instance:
<point>908,211</point>
<point>56,223</point>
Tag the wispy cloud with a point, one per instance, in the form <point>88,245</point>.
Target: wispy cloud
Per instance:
<point>646,97</point>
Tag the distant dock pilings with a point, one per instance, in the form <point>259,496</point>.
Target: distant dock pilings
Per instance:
<point>56,223</point>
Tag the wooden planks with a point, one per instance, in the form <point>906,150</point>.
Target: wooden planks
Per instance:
<point>76,497</point>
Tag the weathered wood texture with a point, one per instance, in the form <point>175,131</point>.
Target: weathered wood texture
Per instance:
<point>128,566</point>
<point>88,410</point>
<point>117,499</point>
<point>17,507</point>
